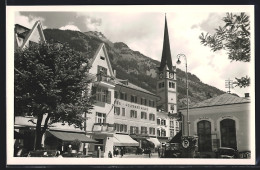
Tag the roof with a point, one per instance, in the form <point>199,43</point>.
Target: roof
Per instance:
<point>132,86</point>
<point>224,99</point>
<point>166,53</point>
<point>162,114</point>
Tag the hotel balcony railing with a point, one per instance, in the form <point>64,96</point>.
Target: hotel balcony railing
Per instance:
<point>103,127</point>
<point>104,78</point>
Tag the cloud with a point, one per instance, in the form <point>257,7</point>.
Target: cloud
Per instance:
<point>70,27</point>
<point>28,21</point>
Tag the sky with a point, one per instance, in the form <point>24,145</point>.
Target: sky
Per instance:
<point>142,30</point>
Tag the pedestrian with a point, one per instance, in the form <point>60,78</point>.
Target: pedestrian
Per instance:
<point>109,154</point>
<point>159,152</point>
<point>117,151</point>
<point>122,152</point>
<point>69,149</point>
<point>149,152</point>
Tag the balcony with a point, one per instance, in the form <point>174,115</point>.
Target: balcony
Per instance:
<point>103,127</point>
<point>105,81</point>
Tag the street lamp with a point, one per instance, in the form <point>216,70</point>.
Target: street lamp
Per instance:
<point>187,89</point>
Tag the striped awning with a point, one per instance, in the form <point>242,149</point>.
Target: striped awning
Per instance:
<point>155,141</point>
<point>124,140</point>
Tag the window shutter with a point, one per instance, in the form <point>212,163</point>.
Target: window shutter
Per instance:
<point>109,97</point>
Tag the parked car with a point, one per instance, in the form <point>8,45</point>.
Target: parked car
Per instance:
<point>245,154</point>
<point>225,152</point>
<point>43,153</point>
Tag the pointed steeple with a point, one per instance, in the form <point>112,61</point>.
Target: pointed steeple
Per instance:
<point>166,53</point>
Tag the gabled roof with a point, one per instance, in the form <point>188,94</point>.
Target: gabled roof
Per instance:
<point>102,46</point>
<point>166,53</point>
<point>132,86</point>
<point>224,99</point>
<point>26,33</point>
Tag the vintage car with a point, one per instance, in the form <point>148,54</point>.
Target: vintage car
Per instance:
<point>225,152</point>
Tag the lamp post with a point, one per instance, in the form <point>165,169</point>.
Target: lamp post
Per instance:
<point>187,89</point>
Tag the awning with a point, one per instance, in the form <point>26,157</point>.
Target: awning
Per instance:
<point>69,136</point>
<point>124,140</point>
<point>176,138</point>
<point>155,141</point>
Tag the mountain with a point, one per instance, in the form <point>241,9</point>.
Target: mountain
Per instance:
<point>133,65</point>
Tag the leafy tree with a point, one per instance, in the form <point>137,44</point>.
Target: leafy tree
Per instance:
<point>50,79</point>
<point>234,37</point>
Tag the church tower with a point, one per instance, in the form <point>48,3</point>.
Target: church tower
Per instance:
<point>166,78</point>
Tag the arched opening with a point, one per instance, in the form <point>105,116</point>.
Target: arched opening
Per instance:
<point>228,133</point>
<point>204,134</point>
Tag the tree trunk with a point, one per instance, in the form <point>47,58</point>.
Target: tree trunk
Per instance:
<point>40,130</point>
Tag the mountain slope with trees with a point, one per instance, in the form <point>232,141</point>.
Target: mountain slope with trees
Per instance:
<point>133,65</point>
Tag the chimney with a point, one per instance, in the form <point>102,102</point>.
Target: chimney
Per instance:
<point>115,73</point>
<point>247,95</point>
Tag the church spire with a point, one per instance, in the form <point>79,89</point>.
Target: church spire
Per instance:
<point>166,53</point>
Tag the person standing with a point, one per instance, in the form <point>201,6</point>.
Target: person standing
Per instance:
<point>122,152</point>
<point>110,154</point>
<point>159,152</point>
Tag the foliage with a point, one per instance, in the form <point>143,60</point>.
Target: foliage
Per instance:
<point>76,144</point>
<point>234,37</point>
<point>51,78</point>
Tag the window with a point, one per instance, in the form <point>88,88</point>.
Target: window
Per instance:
<point>150,103</point>
<point>102,58</point>
<point>123,111</point>
<point>204,134</point>
<point>143,101</point>
<point>116,94</point>
<point>133,99</point>
<point>102,73</point>
<point>133,113</point>
<point>228,133</point>
<point>158,121</point>
<point>123,96</point>
<point>117,110</point>
<point>151,116</point>
<point>100,117</point>
<point>143,115</point>
<point>163,122</point>
<point>120,127</point>
<point>162,84</point>
<point>153,104</point>
<point>158,132</point>
<point>152,131</point>
<point>143,130</point>
<point>171,85</point>
<point>133,130</point>
<point>163,132</point>
<point>171,133</point>
<point>172,123</point>
<point>102,95</point>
